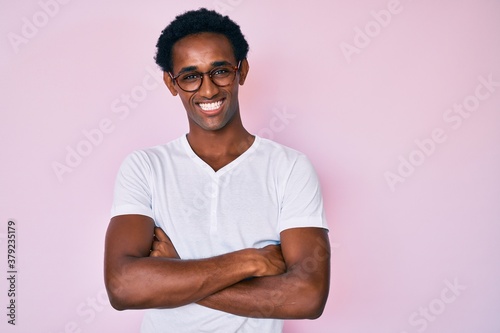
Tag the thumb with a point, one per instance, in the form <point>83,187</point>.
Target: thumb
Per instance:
<point>161,235</point>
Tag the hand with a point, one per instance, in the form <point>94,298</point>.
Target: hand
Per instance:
<point>272,259</point>
<point>162,245</point>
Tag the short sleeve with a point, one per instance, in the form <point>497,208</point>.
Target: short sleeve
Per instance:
<point>132,193</point>
<point>302,204</point>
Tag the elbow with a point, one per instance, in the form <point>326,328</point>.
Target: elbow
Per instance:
<point>313,300</point>
<point>118,297</point>
<point>315,305</point>
<point>117,303</point>
<point>315,313</point>
<point>115,295</point>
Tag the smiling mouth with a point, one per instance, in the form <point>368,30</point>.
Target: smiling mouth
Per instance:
<point>211,106</point>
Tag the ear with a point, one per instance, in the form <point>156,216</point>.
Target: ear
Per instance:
<point>244,68</point>
<point>170,83</point>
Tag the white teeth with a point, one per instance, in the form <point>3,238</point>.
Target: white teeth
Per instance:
<point>210,106</point>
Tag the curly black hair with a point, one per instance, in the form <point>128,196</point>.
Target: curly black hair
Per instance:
<point>197,21</point>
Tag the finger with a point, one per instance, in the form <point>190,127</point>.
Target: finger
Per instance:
<point>161,235</point>
<point>159,246</point>
<point>154,254</point>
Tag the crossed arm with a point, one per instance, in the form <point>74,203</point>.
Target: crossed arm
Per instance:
<point>287,281</point>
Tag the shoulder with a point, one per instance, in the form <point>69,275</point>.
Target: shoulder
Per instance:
<point>283,155</point>
<point>273,147</point>
<point>151,157</point>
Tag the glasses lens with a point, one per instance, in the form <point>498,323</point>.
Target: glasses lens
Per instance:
<point>189,81</point>
<point>223,76</point>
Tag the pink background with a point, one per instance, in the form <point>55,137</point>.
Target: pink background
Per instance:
<point>357,114</point>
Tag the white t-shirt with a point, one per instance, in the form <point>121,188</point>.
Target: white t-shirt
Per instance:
<point>247,203</point>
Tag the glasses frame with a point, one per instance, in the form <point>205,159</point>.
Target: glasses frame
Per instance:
<point>209,73</point>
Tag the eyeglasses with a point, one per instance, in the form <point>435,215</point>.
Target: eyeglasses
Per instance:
<point>221,76</point>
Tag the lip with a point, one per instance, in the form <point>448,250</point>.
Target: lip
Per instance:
<point>214,111</point>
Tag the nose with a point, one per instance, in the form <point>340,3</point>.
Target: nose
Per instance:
<point>208,89</point>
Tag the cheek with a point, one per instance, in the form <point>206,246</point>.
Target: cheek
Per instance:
<point>186,100</point>
<point>234,95</point>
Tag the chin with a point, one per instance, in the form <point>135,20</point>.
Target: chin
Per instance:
<point>213,127</point>
<point>216,125</point>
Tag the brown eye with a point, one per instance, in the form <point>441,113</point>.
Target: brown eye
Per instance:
<point>190,77</point>
<point>221,72</point>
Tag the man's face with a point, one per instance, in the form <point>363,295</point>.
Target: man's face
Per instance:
<point>211,107</point>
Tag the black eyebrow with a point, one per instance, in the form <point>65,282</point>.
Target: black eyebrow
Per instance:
<point>214,64</point>
<point>187,69</point>
<point>221,63</point>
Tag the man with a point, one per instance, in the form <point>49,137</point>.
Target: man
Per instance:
<point>240,239</point>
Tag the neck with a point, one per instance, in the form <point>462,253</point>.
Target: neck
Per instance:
<point>227,143</point>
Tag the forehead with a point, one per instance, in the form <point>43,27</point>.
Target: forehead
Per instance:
<point>200,50</point>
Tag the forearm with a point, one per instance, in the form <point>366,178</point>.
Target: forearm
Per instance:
<point>299,293</point>
<point>146,282</point>
<point>140,275</point>
<point>292,295</point>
